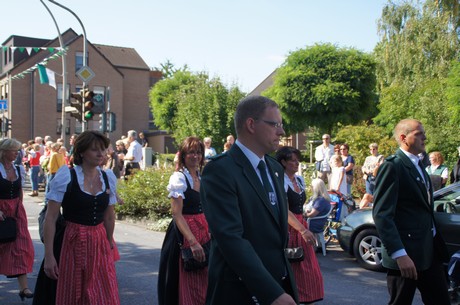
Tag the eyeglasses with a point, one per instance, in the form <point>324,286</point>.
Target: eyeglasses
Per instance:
<point>198,153</point>
<point>273,124</point>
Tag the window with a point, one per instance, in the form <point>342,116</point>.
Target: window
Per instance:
<point>79,60</point>
<point>59,97</point>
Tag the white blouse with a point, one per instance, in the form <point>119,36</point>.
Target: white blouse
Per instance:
<point>288,183</point>
<point>177,184</point>
<point>58,185</point>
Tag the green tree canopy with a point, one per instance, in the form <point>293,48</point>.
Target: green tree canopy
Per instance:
<point>189,104</point>
<point>324,85</point>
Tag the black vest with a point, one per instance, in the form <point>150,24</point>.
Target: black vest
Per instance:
<point>192,202</point>
<point>10,189</point>
<point>82,208</point>
<point>296,200</point>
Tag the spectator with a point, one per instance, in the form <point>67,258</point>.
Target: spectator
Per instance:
<point>133,156</point>
<point>209,151</point>
<point>16,257</point>
<point>337,150</point>
<point>437,170</point>
<point>338,179</point>
<point>230,140</point>
<point>370,167</point>
<point>142,140</point>
<point>320,205</point>
<point>306,272</point>
<point>322,155</point>
<point>112,162</point>
<point>189,228</point>
<point>34,161</point>
<point>227,146</point>
<point>349,164</point>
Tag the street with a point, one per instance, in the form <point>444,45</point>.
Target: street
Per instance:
<point>345,282</point>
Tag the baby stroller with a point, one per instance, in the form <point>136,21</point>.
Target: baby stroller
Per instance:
<point>342,205</point>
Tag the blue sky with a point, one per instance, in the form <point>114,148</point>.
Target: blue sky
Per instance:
<point>240,41</point>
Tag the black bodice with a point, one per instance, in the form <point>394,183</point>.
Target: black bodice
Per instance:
<point>192,202</point>
<point>10,189</point>
<point>296,200</point>
<point>82,208</point>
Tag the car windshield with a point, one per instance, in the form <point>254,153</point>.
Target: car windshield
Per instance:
<point>448,199</point>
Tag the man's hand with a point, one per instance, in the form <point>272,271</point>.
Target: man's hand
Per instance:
<point>407,267</point>
<point>284,299</point>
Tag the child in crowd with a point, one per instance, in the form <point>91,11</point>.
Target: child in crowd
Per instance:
<point>338,181</point>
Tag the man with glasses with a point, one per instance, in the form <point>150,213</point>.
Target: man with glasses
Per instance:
<point>322,155</point>
<point>243,198</point>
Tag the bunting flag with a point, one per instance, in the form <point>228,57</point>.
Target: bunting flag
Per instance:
<point>47,76</point>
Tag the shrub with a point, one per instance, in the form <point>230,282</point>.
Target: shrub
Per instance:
<point>145,195</point>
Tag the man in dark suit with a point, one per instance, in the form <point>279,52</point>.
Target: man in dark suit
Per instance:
<point>403,213</point>
<point>248,218</point>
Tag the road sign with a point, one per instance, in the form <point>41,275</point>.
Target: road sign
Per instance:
<point>85,74</point>
<point>3,104</point>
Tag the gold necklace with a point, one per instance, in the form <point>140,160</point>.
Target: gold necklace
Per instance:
<point>92,180</point>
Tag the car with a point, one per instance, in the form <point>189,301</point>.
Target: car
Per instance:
<point>358,236</point>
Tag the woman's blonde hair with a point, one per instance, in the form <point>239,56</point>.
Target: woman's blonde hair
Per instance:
<point>319,189</point>
<point>9,144</point>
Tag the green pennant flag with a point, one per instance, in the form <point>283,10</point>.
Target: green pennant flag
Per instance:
<point>47,76</point>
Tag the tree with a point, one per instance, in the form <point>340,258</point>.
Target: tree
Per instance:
<point>324,85</point>
<point>419,41</point>
<point>189,104</point>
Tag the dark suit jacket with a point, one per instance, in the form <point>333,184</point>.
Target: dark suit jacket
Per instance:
<point>403,211</point>
<point>247,254</point>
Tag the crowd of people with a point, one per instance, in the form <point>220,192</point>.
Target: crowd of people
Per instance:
<point>237,216</point>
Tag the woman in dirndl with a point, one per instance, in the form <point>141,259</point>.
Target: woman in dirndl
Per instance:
<point>16,257</point>
<point>188,230</point>
<point>86,270</point>
<point>307,273</point>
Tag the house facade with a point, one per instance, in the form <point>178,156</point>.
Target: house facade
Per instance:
<point>122,81</point>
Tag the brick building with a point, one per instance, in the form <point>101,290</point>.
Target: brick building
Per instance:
<point>36,109</point>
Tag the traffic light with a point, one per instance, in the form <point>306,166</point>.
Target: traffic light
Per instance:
<point>77,110</point>
<point>103,123</point>
<point>112,122</point>
<point>6,125</point>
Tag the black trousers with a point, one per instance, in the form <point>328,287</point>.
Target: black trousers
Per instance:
<point>432,284</point>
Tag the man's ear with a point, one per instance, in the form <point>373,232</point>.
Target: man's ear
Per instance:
<point>250,125</point>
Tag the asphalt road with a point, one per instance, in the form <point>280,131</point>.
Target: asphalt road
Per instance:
<point>345,282</point>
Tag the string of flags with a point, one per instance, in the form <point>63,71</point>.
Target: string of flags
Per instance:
<point>44,62</point>
<point>30,49</point>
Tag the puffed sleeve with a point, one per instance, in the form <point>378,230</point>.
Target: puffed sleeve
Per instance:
<point>58,185</point>
<point>112,185</point>
<point>177,185</point>
<point>287,182</point>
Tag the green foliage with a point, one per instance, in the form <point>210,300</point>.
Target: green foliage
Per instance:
<point>324,85</point>
<point>359,137</point>
<point>453,93</point>
<point>145,194</point>
<point>189,104</point>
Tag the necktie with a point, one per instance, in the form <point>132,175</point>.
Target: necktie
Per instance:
<point>268,187</point>
<point>425,179</point>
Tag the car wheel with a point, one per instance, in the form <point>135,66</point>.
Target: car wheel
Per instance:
<point>367,249</point>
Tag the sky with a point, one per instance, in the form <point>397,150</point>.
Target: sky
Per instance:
<point>240,41</point>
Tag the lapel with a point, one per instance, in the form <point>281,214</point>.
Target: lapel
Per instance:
<point>416,178</point>
<point>253,179</point>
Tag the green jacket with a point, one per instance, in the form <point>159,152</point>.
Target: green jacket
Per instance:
<point>247,257</point>
<point>403,211</point>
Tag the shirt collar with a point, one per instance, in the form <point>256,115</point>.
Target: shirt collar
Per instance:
<point>415,159</point>
<point>253,158</point>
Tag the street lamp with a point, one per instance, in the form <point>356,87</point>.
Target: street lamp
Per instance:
<point>64,74</point>
<point>83,119</point>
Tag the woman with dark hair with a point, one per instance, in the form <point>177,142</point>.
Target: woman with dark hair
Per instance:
<point>188,230</point>
<point>87,196</point>
<point>307,272</point>
<point>16,257</point>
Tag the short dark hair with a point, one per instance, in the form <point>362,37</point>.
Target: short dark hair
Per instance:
<point>285,153</point>
<point>85,141</point>
<point>251,107</point>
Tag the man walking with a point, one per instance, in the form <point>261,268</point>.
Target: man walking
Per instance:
<point>133,157</point>
<point>245,205</point>
<point>403,213</point>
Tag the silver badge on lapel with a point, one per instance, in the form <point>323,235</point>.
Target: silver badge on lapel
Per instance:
<point>272,198</point>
